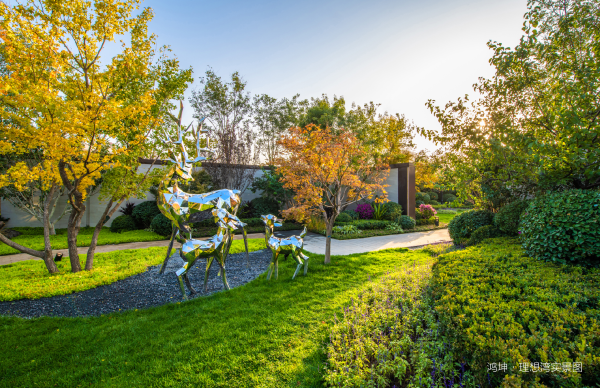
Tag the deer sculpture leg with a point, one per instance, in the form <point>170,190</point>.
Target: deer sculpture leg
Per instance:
<point>296,255</point>
<point>209,261</point>
<point>164,264</point>
<point>273,266</point>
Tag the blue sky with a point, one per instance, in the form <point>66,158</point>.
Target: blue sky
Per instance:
<point>396,53</point>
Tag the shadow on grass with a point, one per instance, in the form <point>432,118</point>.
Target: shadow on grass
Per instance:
<point>262,334</point>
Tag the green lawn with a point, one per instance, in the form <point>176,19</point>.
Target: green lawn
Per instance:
<point>33,238</point>
<point>262,334</point>
<point>30,278</point>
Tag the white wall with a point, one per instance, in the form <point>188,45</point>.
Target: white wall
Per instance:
<point>94,207</point>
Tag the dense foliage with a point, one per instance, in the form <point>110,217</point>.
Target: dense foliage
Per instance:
<point>144,213</point>
<point>387,335</point>
<point>487,231</point>
<point>343,217</point>
<point>161,225</point>
<point>500,306</point>
<point>563,227</point>
<point>122,224</point>
<point>508,217</point>
<point>463,225</point>
<point>393,210</point>
<point>365,211</point>
<point>406,222</point>
<point>535,127</point>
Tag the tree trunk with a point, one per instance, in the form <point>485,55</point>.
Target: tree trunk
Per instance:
<point>89,261</point>
<point>51,230</point>
<point>48,228</point>
<point>72,232</point>
<point>47,260</point>
<point>328,240</point>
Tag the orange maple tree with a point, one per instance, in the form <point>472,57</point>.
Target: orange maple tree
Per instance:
<point>327,170</point>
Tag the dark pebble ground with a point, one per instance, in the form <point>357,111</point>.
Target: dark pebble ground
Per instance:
<point>141,291</point>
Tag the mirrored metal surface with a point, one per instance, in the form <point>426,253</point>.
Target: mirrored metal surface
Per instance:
<point>293,245</point>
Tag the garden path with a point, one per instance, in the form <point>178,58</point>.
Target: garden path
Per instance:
<point>313,242</point>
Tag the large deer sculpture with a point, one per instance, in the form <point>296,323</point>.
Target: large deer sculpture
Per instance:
<point>180,207</point>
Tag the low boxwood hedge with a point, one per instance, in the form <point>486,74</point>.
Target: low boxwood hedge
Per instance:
<point>498,305</point>
<point>508,217</point>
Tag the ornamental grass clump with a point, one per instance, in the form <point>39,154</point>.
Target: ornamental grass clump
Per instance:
<point>388,335</point>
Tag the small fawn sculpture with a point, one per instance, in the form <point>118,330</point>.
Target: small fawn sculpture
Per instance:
<point>292,245</point>
<point>217,247</point>
<point>177,205</point>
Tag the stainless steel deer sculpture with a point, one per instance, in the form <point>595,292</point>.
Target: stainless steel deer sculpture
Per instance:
<point>292,245</point>
<point>180,207</point>
<point>217,247</point>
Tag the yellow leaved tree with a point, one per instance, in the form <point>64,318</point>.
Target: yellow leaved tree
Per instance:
<point>87,114</point>
<point>328,171</point>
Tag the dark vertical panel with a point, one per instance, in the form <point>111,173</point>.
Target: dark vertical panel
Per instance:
<point>406,188</point>
<point>412,190</point>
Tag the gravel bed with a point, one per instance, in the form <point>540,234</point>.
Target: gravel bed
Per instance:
<point>142,291</point>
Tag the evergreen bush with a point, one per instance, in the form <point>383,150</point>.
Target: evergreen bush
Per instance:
<point>407,222</point>
<point>144,213</point>
<point>122,224</point>
<point>563,227</point>
<point>488,231</point>
<point>463,225</point>
<point>161,225</point>
<point>393,210</point>
<point>508,217</point>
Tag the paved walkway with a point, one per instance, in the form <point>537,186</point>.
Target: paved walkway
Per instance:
<point>313,242</point>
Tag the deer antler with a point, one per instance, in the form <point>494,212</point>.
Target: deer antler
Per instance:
<point>199,149</point>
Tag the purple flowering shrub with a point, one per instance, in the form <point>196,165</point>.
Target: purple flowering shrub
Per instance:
<point>389,336</point>
<point>365,211</point>
<point>427,211</point>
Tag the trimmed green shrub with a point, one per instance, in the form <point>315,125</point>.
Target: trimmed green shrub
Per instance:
<point>144,213</point>
<point>407,222</point>
<point>161,225</point>
<point>354,215</point>
<point>488,231</point>
<point>263,206</point>
<point>448,197</point>
<point>463,225</point>
<point>122,224</point>
<point>343,217</point>
<point>370,224</point>
<point>419,203</point>
<point>423,197</point>
<point>393,210</point>
<point>433,196</point>
<point>426,221</point>
<point>498,305</point>
<point>563,227</point>
<point>508,218</point>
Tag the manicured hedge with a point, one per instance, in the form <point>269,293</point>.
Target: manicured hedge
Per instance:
<point>488,231</point>
<point>144,213</point>
<point>122,224</point>
<point>367,224</point>
<point>406,222</point>
<point>563,227</point>
<point>161,225</point>
<point>509,217</point>
<point>499,306</point>
<point>463,225</point>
